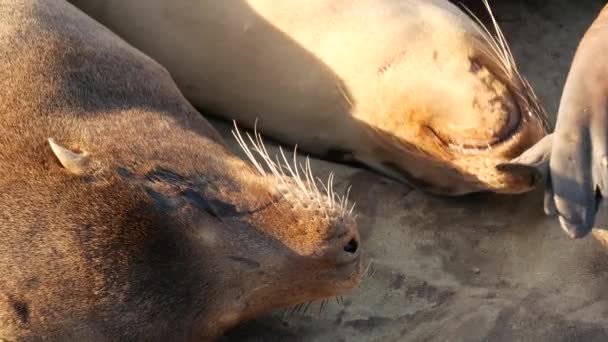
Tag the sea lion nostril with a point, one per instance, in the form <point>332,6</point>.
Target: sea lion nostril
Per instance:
<point>351,246</point>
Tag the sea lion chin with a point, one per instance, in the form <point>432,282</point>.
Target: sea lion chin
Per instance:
<point>415,89</point>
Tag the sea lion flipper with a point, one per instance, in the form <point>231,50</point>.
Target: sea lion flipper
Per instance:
<point>574,209</point>
<point>578,167</point>
<point>535,160</point>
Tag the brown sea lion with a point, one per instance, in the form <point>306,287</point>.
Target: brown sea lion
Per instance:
<point>124,216</point>
<point>415,89</point>
<point>574,160</point>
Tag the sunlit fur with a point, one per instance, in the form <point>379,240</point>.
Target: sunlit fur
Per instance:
<point>414,89</point>
<point>444,167</point>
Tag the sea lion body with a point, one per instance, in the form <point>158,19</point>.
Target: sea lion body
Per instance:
<point>124,216</point>
<point>414,89</point>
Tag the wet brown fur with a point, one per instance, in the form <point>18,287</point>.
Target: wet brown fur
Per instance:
<point>168,236</point>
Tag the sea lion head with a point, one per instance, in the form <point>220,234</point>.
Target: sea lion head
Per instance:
<point>298,240</point>
<point>124,214</point>
<point>453,106</point>
<point>232,240</point>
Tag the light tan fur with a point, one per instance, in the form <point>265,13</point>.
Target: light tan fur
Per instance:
<point>403,86</point>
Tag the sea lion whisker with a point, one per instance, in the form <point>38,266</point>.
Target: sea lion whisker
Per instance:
<point>269,163</point>
<point>261,147</point>
<point>495,58</point>
<point>306,188</point>
<point>276,168</point>
<point>283,176</point>
<point>350,212</point>
<point>494,42</point>
<point>297,173</point>
<point>323,205</point>
<point>347,195</point>
<point>237,135</point>
<point>286,165</point>
<point>330,187</point>
<point>333,190</point>
<point>484,31</point>
<point>342,90</point>
<point>341,199</point>
<point>292,173</point>
<point>296,309</point>
<point>536,104</point>
<point>313,191</point>
<point>323,302</point>
<point>247,150</point>
<point>307,307</point>
<point>317,192</point>
<point>258,146</point>
<point>309,188</point>
<point>502,39</point>
<point>291,311</point>
<point>325,188</point>
<point>369,271</point>
<point>312,180</point>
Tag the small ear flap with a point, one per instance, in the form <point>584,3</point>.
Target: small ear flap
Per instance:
<point>535,160</point>
<point>76,163</point>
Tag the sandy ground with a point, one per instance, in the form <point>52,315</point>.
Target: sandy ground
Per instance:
<point>478,268</point>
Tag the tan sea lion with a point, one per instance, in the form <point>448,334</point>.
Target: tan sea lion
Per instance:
<point>574,159</point>
<point>124,216</point>
<point>412,88</point>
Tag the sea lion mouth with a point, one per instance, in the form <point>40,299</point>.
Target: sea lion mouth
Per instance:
<point>349,264</point>
<point>465,145</point>
<point>348,274</point>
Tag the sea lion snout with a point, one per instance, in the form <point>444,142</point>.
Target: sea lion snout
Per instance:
<point>344,247</point>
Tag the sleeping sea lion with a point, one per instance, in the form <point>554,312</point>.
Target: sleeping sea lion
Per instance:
<point>124,216</point>
<point>414,89</point>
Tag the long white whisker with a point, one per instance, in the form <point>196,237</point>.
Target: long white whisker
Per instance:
<point>313,181</point>
<point>331,188</point>
<point>293,175</point>
<point>297,173</point>
<point>303,184</point>
<point>237,134</point>
<point>491,40</point>
<point>350,212</point>
<point>345,205</point>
